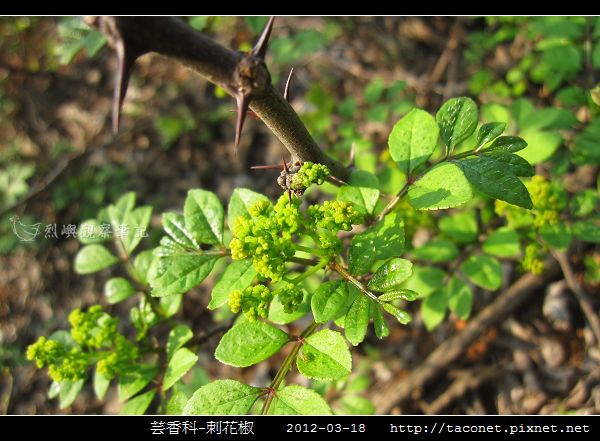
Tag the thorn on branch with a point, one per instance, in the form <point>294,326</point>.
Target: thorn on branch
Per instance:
<point>286,91</point>
<point>125,61</point>
<point>242,108</point>
<point>260,48</point>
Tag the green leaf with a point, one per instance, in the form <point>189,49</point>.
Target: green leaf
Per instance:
<point>588,231</point>
<point>503,242</point>
<point>382,241</point>
<point>433,309</point>
<point>556,235</point>
<point>413,140</point>
<point>176,403</point>
<point>329,300</point>
<point>548,118</point>
<point>357,320</point>
<point>495,112</point>
<point>508,144</point>
<point>540,146</point>
<point>357,405</point>
<point>425,280</point>
<point>222,397</point>
<point>242,199</point>
<point>510,162</point>
<point>460,298</point>
<point>278,316</point>
<point>324,356</point>
<point>170,304</point>
<point>179,274</point>
<point>237,276</point>
<point>491,178</point>
<point>391,274</point>
<point>489,132</point>
<point>457,119</point>
<point>181,362</point>
<point>444,186</point>
<point>401,315</point>
<point>118,289</point>
<point>91,231</point>
<point>101,384</point>
<point>68,392</point>
<point>178,336</point>
<point>135,379</point>
<point>374,90</point>
<point>297,400</point>
<point>248,343</point>
<point>143,266</point>
<point>133,228</point>
<point>584,202</point>
<point>439,250</point>
<point>399,294</point>
<point>93,258</point>
<point>204,214</point>
<point>460,227</point>
<point>596,55</point>
<point>139,404</point>
<point>362,190</point>
<point>483,271</point>
<point>379,324</point>
<point>174,226</point>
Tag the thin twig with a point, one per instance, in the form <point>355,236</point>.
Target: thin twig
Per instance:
<point>582,297</point>
<point>396,391</point>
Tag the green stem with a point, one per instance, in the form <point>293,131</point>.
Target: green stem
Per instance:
<point>465,154</point>
<point>320,265</point>
<point>346,275</point>
<point>314,251</point>
<point>391,204</point>
<point>286,366</point>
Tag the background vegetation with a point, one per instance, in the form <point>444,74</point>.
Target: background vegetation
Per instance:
<point>353,79</point>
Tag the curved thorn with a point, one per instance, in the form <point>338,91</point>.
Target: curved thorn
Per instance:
<point>352,156</point>
<point>336,180</point>
<point>242,108</point>
<point>285,167</point>
<point>267,167</point>
<point>286,91</point>
<point>260,48</point>
<point>125,61</point>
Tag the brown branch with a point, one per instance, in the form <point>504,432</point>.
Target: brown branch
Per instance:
<point>582,297</point>
<point>396,391</point>
<point>237,73</point>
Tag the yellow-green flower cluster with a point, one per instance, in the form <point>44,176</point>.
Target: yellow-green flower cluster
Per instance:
<point>335,215</point>
<point>532,259</point>
<point>266,237</point>
<point>63,363</point>
<point>290,297</point>
<point>94,328</point>
<point>549,200</point>
<point>253,301</point>
<point>309,174</point>
<point>123,355</point>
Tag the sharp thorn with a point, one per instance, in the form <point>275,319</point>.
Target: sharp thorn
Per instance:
<point>267,167</point>
<point>338,180</point>
<point>260,48</point>
<point>286,91</point>
<point>285,167</point>
<point>289,192</point>
<point>125,61</point>
<point>242,108</point>
<point>352,156</point>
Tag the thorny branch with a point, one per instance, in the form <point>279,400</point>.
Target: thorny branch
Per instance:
<point>244,76</point>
